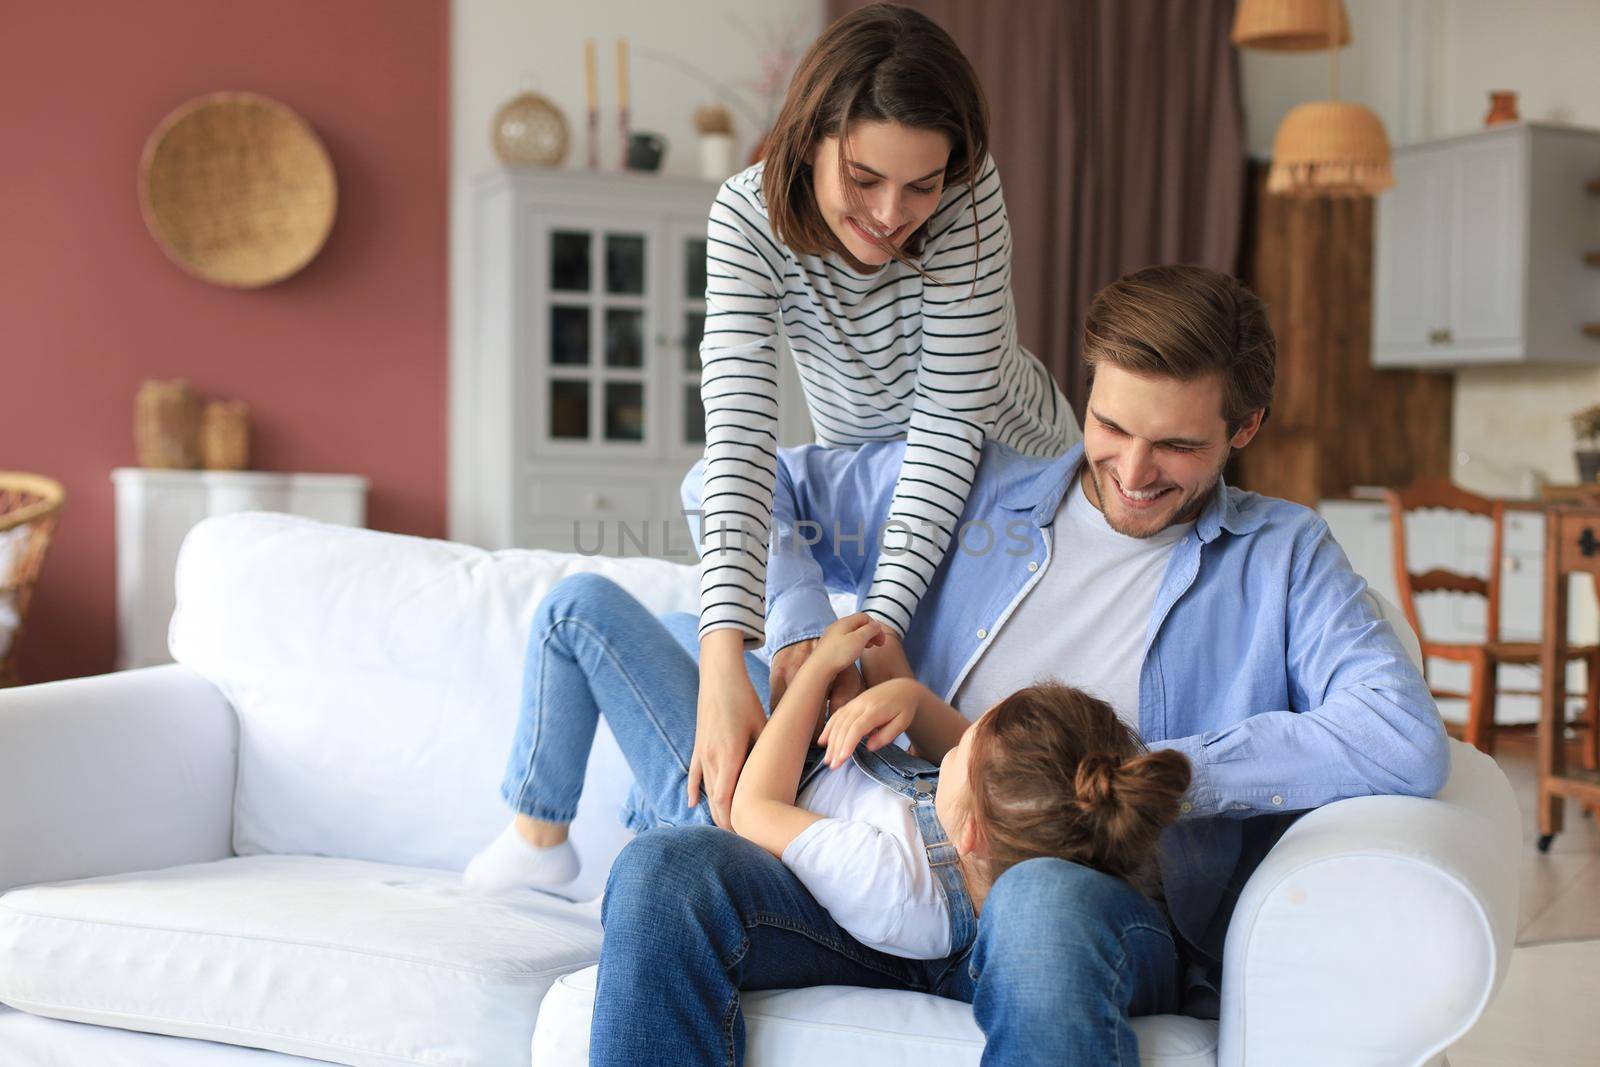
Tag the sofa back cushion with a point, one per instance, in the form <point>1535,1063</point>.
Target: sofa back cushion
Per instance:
<point>377,680</point>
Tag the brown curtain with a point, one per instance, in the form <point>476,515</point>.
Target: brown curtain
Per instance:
<point>1119,134</point>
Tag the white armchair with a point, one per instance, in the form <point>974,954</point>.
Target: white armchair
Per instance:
<point>254,849</point>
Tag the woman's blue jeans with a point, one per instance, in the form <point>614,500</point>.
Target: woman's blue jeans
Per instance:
<point>594,650</point>
<point>693,914</point>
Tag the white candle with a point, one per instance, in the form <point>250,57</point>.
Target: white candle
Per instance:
<point>622,73</point>
<point>591,75</point>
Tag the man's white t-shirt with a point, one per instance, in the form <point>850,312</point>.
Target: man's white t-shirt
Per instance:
<point>865,862</point>
<point>1083,623</point>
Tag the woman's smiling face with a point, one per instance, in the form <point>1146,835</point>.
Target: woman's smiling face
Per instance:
<point>889,188</point>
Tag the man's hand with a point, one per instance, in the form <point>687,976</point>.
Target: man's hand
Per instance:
<point>786,663</point>
<point>885,661</point>
<point>879,715</point>
<point>728,720</point>
<point>788,660</point>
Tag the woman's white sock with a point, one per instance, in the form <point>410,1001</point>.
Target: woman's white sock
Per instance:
<point>511,863</point>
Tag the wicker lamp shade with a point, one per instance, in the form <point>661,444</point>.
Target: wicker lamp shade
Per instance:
<point>30,504</point>
<point>1330,148</point>
<point>1291,25</point>
<point>237,190</point>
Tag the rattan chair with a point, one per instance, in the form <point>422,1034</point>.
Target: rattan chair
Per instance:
<point>29,507</point>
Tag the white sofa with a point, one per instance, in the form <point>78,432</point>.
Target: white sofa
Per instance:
<point>255,849</point>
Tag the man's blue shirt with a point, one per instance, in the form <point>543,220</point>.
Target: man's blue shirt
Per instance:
<point>1265,661</point>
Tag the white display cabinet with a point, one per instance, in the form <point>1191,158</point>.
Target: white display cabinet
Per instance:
<point>581,406</point>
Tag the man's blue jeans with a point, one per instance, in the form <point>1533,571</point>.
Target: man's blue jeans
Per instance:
<point>593,649</point>
<point>1064,955</point>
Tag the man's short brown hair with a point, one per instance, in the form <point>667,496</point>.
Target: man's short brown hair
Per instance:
<point>1187,323</point>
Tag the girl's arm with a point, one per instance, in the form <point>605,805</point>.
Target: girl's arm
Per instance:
<point>764,810</point>
<point>883,712</point>
<point>937,727</point>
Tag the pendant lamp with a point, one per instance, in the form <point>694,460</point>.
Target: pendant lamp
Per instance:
<point>1290,25</point>
<point>1330,147</point>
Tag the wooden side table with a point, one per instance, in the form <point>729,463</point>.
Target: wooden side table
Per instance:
<point>1572,546</point>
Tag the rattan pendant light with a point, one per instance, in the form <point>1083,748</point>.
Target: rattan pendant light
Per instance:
<point>1330,147</point>
<point>1290,25</point>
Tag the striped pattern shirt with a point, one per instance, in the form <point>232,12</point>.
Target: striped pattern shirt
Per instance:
<point>881,356</point>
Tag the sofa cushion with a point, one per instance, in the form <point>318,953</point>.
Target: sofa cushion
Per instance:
<point>377,678</point>
<point>341,960</point>
<point>35,1041</point>
<point>844,1026</point>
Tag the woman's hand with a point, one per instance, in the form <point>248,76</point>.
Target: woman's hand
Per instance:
<point>728,720</point>
<point>878,715</point>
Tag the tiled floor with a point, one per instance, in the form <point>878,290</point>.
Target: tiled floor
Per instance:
<point>1544,1015</point>
<point>1561,888</point>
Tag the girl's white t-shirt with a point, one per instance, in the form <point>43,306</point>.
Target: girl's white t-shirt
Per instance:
<point>865,862</point>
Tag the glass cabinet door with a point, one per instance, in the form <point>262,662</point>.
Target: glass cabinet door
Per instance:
<point>686,311</point>
<point>596,364</point>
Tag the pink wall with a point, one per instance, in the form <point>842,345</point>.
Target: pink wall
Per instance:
<point>344,365</point>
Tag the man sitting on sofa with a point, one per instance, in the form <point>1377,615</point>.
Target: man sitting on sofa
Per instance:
<point>1220,623</point>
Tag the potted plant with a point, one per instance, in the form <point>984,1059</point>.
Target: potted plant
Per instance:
<point>1586,428</point>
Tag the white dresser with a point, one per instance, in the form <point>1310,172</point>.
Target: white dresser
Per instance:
<point>156,508</point>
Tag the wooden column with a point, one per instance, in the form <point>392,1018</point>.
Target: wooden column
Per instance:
<point>1336,421</point>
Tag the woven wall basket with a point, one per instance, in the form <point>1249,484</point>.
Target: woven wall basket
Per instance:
<point>237,189</point>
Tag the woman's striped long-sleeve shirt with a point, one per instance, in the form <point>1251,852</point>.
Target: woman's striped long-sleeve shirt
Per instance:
<point>882,356</point>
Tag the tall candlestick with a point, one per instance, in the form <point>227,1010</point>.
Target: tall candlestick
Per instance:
<point>591,76</point>
<point>622,96</point>
<point>622,73</point>
<point>591,84</point>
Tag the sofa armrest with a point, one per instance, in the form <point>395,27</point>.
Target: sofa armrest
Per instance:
<point>1378,928</point>
<point>120,772</point>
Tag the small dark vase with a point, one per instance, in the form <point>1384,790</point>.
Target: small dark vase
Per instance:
<point>646,150</point>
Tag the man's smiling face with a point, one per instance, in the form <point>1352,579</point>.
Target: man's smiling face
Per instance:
<point>1155,447</point>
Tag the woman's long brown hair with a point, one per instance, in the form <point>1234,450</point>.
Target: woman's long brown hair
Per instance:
<point>883,63</point>
<point>1054,772</point>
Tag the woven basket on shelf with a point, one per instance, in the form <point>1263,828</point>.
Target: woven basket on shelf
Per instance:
<point>29,507</point>
<point>237,189</point>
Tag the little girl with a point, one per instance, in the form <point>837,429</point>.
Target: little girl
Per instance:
<point>900,851</point>
<point>873,242</point>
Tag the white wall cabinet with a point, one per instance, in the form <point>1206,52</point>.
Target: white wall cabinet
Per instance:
<point>578,404</point>
<point>1479,255</point>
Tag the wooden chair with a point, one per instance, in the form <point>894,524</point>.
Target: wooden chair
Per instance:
<point>29,507</point>
<point>1483,658</point>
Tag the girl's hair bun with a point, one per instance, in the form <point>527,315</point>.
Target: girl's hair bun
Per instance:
<point>1055,772</point>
